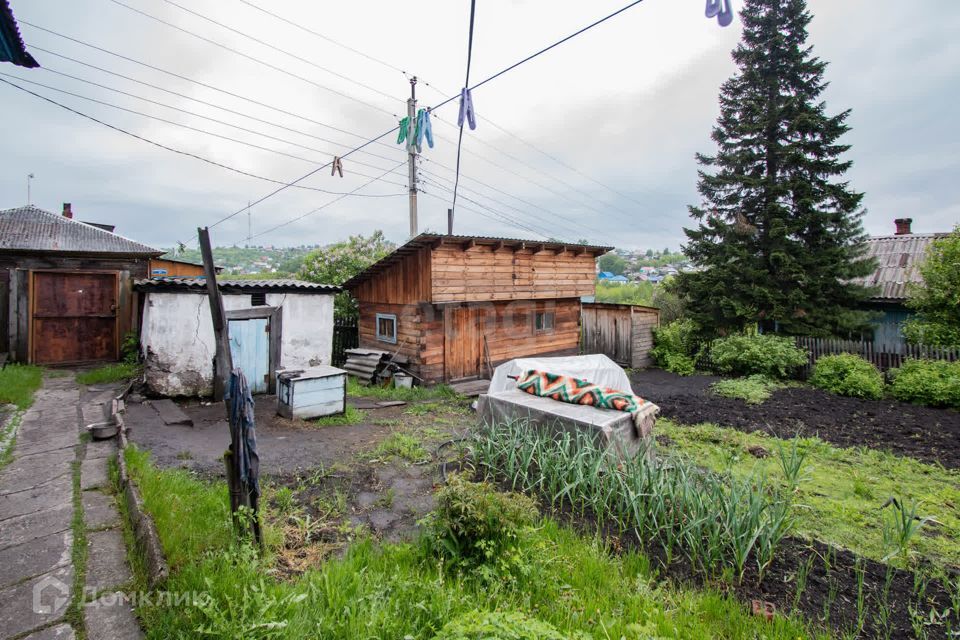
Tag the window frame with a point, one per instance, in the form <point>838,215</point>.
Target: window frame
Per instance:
<point>552,315</point>
<point>382,337</point>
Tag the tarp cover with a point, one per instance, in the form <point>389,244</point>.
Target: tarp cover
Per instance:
<point>597,368</point>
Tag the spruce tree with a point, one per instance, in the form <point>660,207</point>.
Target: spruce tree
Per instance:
<point>780,233</point>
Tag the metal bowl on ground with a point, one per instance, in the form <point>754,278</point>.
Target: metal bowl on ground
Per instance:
<point>103,430</point>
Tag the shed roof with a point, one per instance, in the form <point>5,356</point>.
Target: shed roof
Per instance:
<point>199,285</point>
<point>32,229</point>
<point>12,48</point>
<point>898,258</point>
<point>431,240</point>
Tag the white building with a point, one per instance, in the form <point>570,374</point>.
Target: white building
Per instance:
<point>273,324</point>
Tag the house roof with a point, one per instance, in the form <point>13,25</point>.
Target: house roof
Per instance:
<point>32,229</point>
<point>431,240</point>
<point>898,258</point>
<point>199,285</point>
<point>12,48</point>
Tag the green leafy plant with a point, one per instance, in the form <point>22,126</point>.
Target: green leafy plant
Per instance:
<point>675,345</point>
<point>490,625</point>
<point>337,263</point>
<point>847,375</point>
<point>900,526</point>
<point>474,524</point>
<point>937,300</point>
<point>754,389</point>
<point>932,382</point>
<point>130,348</point>
<point>757,354</point>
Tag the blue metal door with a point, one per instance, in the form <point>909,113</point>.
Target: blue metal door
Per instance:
<point>250,349</point>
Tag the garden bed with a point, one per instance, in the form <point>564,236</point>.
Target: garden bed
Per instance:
<point>920,432</point>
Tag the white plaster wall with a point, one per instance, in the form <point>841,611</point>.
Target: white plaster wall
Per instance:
<point>178,342</point>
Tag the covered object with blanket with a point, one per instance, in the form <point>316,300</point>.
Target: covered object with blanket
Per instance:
<point>587,394</point>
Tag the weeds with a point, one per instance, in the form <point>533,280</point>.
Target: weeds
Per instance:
<point>400,445</point>
<point>109,373</point>
<point>900,526</point>
<point>414,394</point>
<point>351,415</point>
<point>803,572</point>
<point>715,521</point>
<point>792,461</point>
<point>755,389</point>
<point>859,571</point>
<point>18,383</point>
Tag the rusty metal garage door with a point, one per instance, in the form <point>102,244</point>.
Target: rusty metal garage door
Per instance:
<point>74,317</point>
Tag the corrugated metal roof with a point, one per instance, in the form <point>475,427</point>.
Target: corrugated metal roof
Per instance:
<point>897,260</point>
<point>12,48</point>
<point>241,286</point>
<point>432,239</point>
<point>32,229</point>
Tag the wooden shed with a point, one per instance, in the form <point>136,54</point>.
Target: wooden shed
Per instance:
<point>622,332</point>
<point>456,305</point>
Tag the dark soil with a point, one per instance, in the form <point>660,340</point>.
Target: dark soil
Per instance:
<point>924,433</point>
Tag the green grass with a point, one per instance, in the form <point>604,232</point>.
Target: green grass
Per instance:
<point>414,394</point>
<point>109,373</point>
<point>18,383</point>
<point>752,390</point>
<point>841,491</point>
<point>352,415</point>
<point>398,590</point>
<point>399,445</point>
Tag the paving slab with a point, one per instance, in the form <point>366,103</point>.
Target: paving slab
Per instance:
<point>49,443</point>
<point>50,494</point>
<point>95,412</point>
<point>93,474</point>
<point>36,557</point>
<point>100,449</point>
<point>100,510</point>
<point>111,617</point>
<point>107,560</point>
<point>16,479</point>
<point>35,525</point>
<point>170,413</point>
<point>58,632</point>
<point>35,603</point>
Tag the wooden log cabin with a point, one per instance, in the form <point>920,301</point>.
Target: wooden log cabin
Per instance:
<point>454,305</point>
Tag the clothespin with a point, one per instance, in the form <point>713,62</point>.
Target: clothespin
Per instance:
<point>336,166</point>
<point>722,10</point>
<point>466,109</point>
<point>424,128</point>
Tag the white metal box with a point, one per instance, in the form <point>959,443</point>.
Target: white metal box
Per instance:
<point>311,393</point>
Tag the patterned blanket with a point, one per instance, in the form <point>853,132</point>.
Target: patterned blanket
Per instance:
<point>578,391</point>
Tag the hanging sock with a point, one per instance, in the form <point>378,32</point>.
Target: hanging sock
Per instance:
<point>466,109</point>
<point>424,129</point>
<point>714,7</point>
<point>336,166</point>
<point>404,133</point>
<point>722,10</point>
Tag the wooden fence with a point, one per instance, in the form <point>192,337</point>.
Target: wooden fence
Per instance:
<point>883,359</point>
<point>346,335</point>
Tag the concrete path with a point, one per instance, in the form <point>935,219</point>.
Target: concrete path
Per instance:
<point>54,469</point>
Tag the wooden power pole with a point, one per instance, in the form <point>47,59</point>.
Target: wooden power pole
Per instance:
<point>223,362</point>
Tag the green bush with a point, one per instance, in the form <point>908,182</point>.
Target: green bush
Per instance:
<point>757,354</point>
<point>931,382</point>
<point>474,524</point>
<point>848,375</point>
<point>496,625</point>
<point>675,345</point>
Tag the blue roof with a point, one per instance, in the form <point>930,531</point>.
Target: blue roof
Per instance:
<point>619,279</point>
<point>605,275</point>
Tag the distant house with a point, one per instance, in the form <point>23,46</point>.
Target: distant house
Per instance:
<point>65,287</point>
<point>273,324</point>
<point>604,275</point>
<point>454,304</point>
<point>618,280</point>
<point>164,267</point>
<point>898,257</point>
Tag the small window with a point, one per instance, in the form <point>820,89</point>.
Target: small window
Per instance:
<point>387,328</point>
<point>543,321</point>
<point>258,299</point>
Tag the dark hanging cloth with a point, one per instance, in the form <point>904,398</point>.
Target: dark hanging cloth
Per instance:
<point>243,440</point>
<point>12,48</point>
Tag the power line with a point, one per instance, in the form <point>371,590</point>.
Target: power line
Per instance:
<point>253,58</point>
<point>463,98</point>
<point>179,151</point>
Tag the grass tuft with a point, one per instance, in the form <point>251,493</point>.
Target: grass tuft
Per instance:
<point>400,445</point>
<point>414,394</point>
<point>109,373</point>
<point>752,390</point>
<point>18,383</point>
<point>352,415</point>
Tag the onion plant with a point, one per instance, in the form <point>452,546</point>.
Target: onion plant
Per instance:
<point>716,521</point>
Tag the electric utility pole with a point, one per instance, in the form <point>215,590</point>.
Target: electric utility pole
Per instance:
<point>29,178</point>
<point>412,155</point>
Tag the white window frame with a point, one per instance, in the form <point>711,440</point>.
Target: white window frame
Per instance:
<point>386,338</point>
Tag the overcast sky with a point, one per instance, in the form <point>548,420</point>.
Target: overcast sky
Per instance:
<point>594,139</point>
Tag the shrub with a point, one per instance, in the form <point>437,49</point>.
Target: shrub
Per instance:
<point>931,382</point>
<point>753,390</point>
<point>757,354</point>
<point>474,524</point>
<point>675,345</point>
<point>486,625</point>
<point>848,375</point>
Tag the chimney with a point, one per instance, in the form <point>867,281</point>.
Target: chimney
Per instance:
<point>903,226</point>
<point>67,212</point>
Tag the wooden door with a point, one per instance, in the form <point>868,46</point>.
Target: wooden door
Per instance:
<point>462,342</point>
<point>607,331</point>
<point>250,350</point>
<point>74,317</point>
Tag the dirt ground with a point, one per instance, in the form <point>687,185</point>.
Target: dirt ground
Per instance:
<point>924,433</point>
<point>326,480</point>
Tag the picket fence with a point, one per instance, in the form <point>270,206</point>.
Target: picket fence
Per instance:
<point>883,359</point>
<point>346,335</point>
